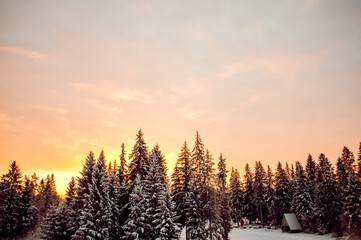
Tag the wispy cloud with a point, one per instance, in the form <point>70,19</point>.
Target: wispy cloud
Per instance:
<point>194,86</point>
<point>112,91</point>
<point>277,64</point>
<point>24,52</point>
<point>198,115</point>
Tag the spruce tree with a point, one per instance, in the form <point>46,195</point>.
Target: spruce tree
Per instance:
<point>236,199</point>
<point>138,158</point>
<point>223,198</point>
<point>96,215</point>
<point>248,195</point>
<point>123,167</point>
<point>283,194</point>
<point>28,213</point>
<point>11,190</point>
<point>270,197</point>
<point>55,226</point>
<point>135,227</point>
<point>156,202</point>
<point>70,193</point>
<point>302,201</point>
<point>348,159</point>
<point>327,199</point>
<point>311,169</point>
<point>353,204</point>
<point>181,178</point>
<point>122,198</point>
<point>359,165</point>
<point>162,163</point>
<point>259,189</point>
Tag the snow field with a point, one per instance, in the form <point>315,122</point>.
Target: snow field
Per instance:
<point>268,234</point>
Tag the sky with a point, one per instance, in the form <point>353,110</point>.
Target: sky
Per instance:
<point>261,81</point>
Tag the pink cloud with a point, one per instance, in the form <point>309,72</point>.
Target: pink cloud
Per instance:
<point>24,52</point>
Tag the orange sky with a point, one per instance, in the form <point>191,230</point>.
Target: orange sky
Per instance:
<point>268,81</point>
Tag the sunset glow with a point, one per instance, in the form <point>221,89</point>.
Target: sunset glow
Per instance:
<point>261,81</point>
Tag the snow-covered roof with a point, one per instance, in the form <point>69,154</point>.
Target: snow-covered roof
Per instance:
<point>290,219</point>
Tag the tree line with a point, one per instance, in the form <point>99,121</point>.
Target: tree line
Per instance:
<point>133,198</point>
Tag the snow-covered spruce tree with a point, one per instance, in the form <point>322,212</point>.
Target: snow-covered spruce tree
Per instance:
<point>348,159</point>
<point>248,195</point>
<point>83,182</point>
<point>96,215</point>
<point>55,226</point>
<point>11,188</point>
<point>122,197</point>
<point>352,204</point>
<point>302,201</point>
<point>208,199</point>
<point>49,226</point>
<point>223,198</point>
<point>159,219</point>
<point>195,227</point>
<point>135,226</point>
<point>123,167</point>
<point>82,190</point>
<point>196,201</point>
<point>359,165</point>
<point>181,178</point>
<point>341,174</point>
<point>270,197</point>
<point>114,192</point>
<point>282,193</point>
<point>70,191</point>
<point>327,200</point>
<point>259,189</point>
<point>162,164</point>
<point>139,158</point>
<point>311,170</point>
<point>28,213</point>
<point>235,194</point>
<point>70,212</point>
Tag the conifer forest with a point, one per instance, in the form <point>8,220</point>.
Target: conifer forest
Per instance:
<point>135,198</point>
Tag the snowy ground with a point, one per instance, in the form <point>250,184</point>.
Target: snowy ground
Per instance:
<point>267,234</point>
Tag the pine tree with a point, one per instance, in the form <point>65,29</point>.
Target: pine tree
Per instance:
<point>270,197</point>
<point>123,193</point>
<point>162,164</point>
<point>248,197</point>
<point>359,165</point>
<point>327,199</point>
<point>195,227</point>
<point>138,158</point>
<point>196,202</point>
<point>181,178</point>
<point>96,216</point>
<point>156,201</point>
<point>282,193</point>
<point>341,174</point>
<point>311,170</point>
<point>122,172</point>
<point>353,204</point>
<point>223,198</point>
<point>302,201</point>
<point>85,179</point>
<point>70,193</point>
<point>259,189</point>
<point>348,159</point>
<point>135,226</point>
<point>236,200</point>
<point>11,189</point>
<point>55,226</point>
<point>28,213</point>
<point>114,191</point>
